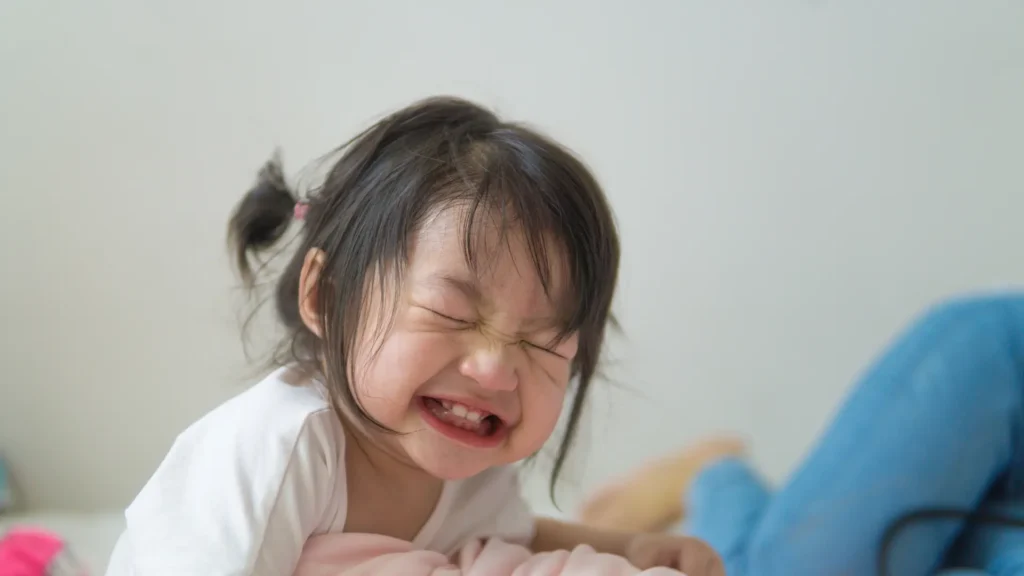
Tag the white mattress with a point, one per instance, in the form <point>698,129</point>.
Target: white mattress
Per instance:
<point>90,536</point>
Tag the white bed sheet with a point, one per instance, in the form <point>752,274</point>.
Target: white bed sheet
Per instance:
<point>91,537</point>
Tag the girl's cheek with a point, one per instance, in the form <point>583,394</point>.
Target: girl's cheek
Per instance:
<point>550,399</point>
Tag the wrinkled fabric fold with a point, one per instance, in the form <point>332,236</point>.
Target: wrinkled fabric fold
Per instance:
<point>375,555</point>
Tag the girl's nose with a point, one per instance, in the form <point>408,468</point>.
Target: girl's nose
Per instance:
<point>491,366</point>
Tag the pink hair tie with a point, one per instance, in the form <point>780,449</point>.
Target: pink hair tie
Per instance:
<point>300,210</point>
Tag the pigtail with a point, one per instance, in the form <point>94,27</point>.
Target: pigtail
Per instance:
<point>260,219</point>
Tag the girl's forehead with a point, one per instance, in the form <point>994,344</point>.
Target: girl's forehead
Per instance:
<point>502,261</point>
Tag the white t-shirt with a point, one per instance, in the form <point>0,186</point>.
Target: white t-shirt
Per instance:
<point>243,488</point>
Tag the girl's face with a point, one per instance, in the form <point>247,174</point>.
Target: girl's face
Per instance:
<point>467,369</point>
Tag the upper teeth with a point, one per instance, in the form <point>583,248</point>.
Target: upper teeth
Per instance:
<point>463,412</point>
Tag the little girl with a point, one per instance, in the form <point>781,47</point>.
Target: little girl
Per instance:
<point>450,291</point>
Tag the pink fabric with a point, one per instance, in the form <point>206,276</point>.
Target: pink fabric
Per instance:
<point>374,555</point>
<point>28,552</point>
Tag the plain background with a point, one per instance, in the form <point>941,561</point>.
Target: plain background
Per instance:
<point>794,180</point>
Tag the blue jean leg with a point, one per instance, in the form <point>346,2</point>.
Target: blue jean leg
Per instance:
<point>934,422</point>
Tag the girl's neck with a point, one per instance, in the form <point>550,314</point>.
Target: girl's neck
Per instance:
<point>386,494</point>
<point>383,463</point>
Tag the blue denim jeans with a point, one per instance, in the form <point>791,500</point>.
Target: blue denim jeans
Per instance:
<point>937,421</point>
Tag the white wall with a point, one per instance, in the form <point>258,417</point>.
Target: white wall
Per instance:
<point>793,181</point>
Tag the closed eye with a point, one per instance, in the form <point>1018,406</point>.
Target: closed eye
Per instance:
<point>453,319</point>
<point>529,344</point>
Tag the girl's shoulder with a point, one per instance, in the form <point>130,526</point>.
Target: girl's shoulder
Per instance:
<point>286,397</point>
<point>283,422</point>
<point>279,433</point>
<point>284,415</point>
<point>241,489</point>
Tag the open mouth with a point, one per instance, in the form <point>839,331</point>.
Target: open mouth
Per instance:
<point>463,423</point>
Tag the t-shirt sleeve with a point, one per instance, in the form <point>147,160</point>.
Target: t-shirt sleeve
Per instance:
<point>234,496</point>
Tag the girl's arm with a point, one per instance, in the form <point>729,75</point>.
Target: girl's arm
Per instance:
<point>642,550</point>
<point>552,534</point>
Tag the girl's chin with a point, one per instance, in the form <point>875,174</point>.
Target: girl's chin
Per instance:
<point>445,464</point>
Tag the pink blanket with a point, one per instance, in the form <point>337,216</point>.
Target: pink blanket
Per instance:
<point>373,555</point>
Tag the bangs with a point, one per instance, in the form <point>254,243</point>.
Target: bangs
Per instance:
<point>520,187</point>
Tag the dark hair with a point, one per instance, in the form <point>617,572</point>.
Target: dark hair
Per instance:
<point>386,181</point>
